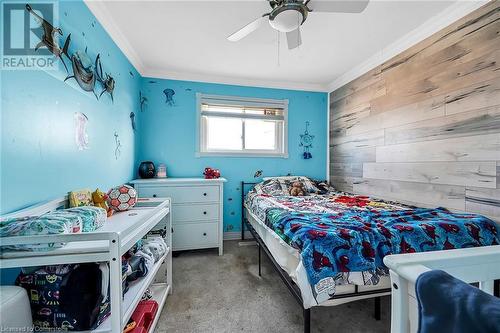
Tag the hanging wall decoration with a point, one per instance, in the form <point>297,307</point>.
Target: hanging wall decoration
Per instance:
<point>306,140</point>
<point>49,39</point>
<point>107,81</point>
<point>118,146</point>
<point>143,101</point>
<point>81,136</point>
<point>83,71</point>
<point>169,97</point>
<point>257,174</point>
<point>132,120</point>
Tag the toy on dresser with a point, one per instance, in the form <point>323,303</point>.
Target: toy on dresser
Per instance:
<point>210,173</point>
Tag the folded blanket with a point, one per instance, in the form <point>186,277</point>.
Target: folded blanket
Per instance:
<point>64,221</point>
<point>92,217</point>
<point>36,226</point>
<point>446,304</point>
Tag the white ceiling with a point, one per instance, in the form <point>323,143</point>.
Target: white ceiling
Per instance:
<point>187,40</point>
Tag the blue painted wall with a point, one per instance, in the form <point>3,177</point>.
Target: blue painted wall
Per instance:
<point>39,157</point>
<point>167,134</point>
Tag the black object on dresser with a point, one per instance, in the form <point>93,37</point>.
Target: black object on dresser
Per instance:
<point>147,169</point>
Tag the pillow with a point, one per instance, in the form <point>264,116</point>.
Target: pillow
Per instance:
<point>285,184</point>
<point>306,182</point>
<point>270,187</point>
<point>323,186</point>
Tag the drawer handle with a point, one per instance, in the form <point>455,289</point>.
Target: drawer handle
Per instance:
<point>205,194</point>
<point>204,234</point>
<point>204,213</point>
<point>154,195</point>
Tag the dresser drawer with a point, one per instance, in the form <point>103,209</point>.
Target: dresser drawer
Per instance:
<point>199,212</point>
<point>195,235</point>
<point>182,194</point>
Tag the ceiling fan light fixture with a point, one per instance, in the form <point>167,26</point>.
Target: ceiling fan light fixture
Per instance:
<point>288,15</point>
<point>287,20</point>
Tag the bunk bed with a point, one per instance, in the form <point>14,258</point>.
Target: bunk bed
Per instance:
<point>120,232</point>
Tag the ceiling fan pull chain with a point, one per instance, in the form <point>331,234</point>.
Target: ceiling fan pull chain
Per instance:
<point>278,48</point>
<point>298,35</point>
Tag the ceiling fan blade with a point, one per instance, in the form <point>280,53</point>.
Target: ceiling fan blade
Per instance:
<point>293,39</point>
<point>247,29</point>
<point>338,6</point>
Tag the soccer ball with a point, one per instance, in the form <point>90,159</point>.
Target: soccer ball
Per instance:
<point>122,198</point>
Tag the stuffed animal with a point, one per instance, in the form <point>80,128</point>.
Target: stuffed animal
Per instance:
<point>297,189</point>
<point>211,173</point>
<point>99,198</point>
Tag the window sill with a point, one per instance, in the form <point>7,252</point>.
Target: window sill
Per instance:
<point>231,154</point>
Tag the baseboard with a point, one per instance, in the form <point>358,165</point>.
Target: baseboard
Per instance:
<point>236,235</point>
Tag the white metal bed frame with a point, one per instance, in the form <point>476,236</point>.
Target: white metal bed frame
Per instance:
<point>481,264</point>
<point>120,232</point>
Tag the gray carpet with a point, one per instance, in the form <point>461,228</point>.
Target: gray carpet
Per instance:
<point>225,294</point>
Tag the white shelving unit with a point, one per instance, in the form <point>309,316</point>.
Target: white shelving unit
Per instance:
<point>107,244</point>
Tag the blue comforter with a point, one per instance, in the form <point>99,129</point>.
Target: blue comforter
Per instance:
<point>356,240</point>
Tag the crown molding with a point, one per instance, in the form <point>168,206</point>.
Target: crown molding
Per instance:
<point>98,8</point>
<point>451,14</point>
<point>440,21</point>
<point>184,76</point>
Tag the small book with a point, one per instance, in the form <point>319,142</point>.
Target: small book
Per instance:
<point>80,198</point>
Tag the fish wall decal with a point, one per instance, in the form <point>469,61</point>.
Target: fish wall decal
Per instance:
<point>107,81</point>
<point>83,71</point>
<point>49,39</point>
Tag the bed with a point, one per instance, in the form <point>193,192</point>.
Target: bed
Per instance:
<point>328,246</point>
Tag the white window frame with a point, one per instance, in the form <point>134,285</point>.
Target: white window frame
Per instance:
<point>281,135</point>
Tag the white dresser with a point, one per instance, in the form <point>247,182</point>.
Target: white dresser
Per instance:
<point>197,215</point>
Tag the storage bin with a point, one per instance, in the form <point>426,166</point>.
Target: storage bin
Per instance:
<point>144,315</point>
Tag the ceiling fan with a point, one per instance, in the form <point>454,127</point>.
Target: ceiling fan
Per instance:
<point>288,15</point>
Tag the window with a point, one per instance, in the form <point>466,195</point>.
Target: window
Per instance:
<point>233,126</point>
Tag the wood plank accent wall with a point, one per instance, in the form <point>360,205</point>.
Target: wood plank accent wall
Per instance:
<point>424,127</point>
